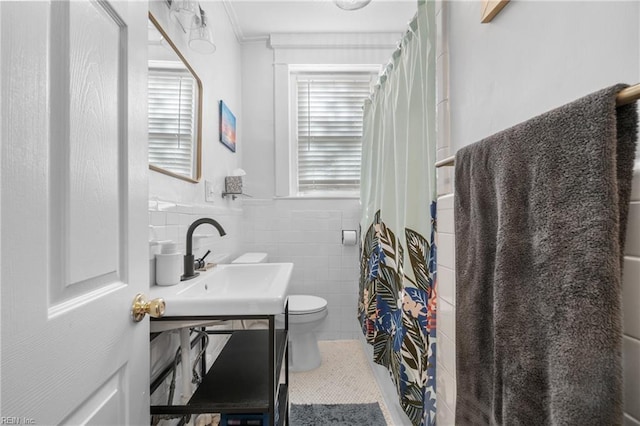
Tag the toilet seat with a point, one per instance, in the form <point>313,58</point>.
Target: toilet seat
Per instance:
<point>305,304</point>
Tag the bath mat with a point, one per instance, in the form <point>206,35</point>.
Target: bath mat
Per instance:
<point>336,414</point>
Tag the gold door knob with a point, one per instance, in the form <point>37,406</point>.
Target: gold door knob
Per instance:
<point>140,307</point>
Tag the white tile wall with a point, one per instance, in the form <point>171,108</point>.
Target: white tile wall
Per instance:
<point>631,357</point>
<point>631,297</point>
<point>445,355</point>
<point>309,234</point>
<point>445,359</point>
<point>631,307</point>
<point>169,221</point>
<point>633,231</point>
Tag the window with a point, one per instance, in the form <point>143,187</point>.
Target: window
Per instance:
<point>172,119</point>
<point>328,129</point>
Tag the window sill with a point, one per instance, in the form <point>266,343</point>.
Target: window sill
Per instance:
<point>322,196</point>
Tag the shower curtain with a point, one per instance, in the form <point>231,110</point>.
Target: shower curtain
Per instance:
<point>397,305</point>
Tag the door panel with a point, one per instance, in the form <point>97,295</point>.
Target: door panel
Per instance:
<point>88,229</point>
<point>73,188</point>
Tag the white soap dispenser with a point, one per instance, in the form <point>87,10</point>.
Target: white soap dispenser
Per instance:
<point>168,264</point>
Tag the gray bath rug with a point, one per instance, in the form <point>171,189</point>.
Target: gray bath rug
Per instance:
<point>336,414</point>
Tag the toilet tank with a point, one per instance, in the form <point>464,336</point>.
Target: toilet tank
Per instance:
<point>252,258</point>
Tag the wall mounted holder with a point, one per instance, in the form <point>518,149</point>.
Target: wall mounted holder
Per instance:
<point>233,187</point>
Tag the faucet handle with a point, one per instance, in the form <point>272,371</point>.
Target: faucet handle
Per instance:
<point>199,263</point>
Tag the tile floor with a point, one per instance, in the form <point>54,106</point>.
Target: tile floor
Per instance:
<point>345,377</point>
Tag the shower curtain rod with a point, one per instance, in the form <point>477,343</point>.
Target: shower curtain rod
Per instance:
<point>625,96</point>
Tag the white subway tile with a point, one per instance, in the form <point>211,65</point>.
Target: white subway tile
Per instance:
<point>447,354</point>
<point>631,371</point>
<point>446,250</point>
<point>264,237</point>
<point>633,231</point>
<point>335,275</point>
<point>348,251</point>
<point>157,218</point>
<point>446,319</point>
<point>316,274</point>
<point>635,188</point>
<point>315,261</point>
<point>444,180</point>
<point>174,234</point>
<point>328,237</point>
<point>185,219</point>
<point>445,202</point>
<point>309,214</point>
<point>445,221</point>
<point>443,139</point>
<point>446,387</point>
<point>441,154</point>
<point>352,260</point>
<point>166,206</point>
<point>266,223</point>
<point>445,415</point>
<point>333,301</point>
<point>173,218</point>
<point>351,300</point>
<point>631,297</point>
<point>182,208</point>
<point>446,284</point>
<point>442,77</point>
<point>334,287</point>
<point>335,261</point>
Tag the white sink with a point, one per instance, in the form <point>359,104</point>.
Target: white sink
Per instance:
<point>234,289</point>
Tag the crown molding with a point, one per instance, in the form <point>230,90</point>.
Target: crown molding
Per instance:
<point>233,19</point>
<point>313,40</point>
<point>335,40</point>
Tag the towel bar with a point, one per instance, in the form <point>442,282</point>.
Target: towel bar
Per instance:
<point>625,96</point>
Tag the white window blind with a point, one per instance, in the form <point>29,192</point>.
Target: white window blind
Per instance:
<point>329,129</point>
<point>172,120</point>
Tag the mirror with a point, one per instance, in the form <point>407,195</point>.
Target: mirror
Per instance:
<point>175,109</point>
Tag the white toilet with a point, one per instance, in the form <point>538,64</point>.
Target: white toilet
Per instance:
<point>306,313</point>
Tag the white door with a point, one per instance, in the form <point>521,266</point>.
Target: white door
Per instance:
<point>73,211</point>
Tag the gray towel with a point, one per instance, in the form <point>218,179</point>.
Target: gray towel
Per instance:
<point>540,215</point>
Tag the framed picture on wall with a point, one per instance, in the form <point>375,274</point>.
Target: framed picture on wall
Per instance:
<point>227,127</point>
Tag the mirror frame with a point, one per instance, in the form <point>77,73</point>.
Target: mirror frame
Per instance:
<point>198,144</point>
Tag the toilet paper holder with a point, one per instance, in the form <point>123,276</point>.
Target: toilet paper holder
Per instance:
<point>349,237</point>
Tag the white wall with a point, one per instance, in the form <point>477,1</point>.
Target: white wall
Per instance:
<point>306,232</point>
<point>174,204</point>
<point>533,57</point>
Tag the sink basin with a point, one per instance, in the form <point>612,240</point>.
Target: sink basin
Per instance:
<point>235,289</point>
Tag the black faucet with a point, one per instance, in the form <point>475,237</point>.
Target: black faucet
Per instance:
<point>189,259</point>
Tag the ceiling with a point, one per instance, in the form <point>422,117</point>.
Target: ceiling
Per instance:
<point>255,19</point>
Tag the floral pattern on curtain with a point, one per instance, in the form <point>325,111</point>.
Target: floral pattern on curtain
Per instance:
<point>397,305</point>
<point>398,314</point>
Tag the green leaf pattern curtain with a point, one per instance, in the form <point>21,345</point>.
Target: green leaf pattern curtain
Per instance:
<point>397,305</point>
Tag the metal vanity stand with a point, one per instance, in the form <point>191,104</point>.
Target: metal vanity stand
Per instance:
<point>244,379</point>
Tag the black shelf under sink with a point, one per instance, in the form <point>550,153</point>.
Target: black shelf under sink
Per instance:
<point>238,381</point>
